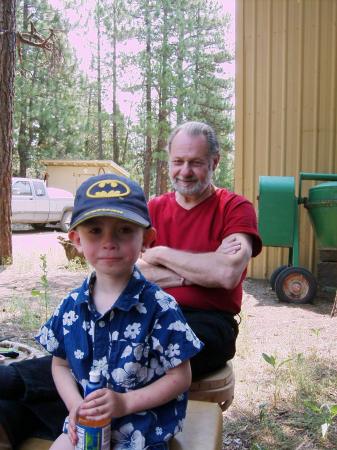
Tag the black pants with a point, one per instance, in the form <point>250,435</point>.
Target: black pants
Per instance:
<point>41,412</point>
<point>218,331</point>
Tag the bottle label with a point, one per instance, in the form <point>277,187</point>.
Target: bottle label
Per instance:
<point>93,438</point>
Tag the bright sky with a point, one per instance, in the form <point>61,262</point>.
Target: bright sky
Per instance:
<point>84,42</point>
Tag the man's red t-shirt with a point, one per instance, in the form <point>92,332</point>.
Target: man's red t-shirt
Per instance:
<point>200,230</point>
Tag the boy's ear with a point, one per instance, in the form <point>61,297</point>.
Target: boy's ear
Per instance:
<point>74,236</point>
<point>149,237</point>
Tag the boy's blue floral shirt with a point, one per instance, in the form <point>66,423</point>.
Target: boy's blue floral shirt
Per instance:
<point>133,344</point>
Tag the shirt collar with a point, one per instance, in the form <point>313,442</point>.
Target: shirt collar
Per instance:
<point>127,299</point>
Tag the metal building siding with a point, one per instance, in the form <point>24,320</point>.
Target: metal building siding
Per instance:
<point>286,100</point>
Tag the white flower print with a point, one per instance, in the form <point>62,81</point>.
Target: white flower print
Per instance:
<point>57,310</point>
<point>114,336</point>
<point>136,274</point>
<point>102,366</point>
<point>69,318</point>
<point>47,339</point>
<point>132,374</point>
<point>165,301</point>
<point>52,343</point>
<point>191,337</point>
<point>127,351</point>
<point>175,362</point>
<point>178,325</point>
<point>179,426</point>
<point>172,350</point>
<point>159,431</point>
<point>43,335</point>
<point>78,354</point>
<point>65,331</point>
<point>128,438</point>
<point>132,330</point>
<point>140,307</point>
<point>74,295</point>
<point>156,345</point>
<point>155,368</point>
<point>141,350</point>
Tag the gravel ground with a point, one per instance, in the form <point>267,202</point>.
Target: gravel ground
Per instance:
<point>267,326</point>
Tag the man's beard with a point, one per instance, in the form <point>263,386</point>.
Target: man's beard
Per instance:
<point>196,188</point>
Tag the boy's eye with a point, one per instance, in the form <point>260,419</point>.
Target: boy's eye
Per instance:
<point>126,230</point>
<point>95,230</point>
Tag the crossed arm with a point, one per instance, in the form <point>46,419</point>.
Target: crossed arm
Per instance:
<point>223,268</point>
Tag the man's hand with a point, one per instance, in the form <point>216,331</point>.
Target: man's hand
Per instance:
<point>222,268</point>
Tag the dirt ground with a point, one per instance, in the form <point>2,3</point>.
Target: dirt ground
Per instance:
<point>268,326</point>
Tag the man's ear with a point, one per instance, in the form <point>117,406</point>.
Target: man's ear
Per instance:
<point>215,162</point>
<point>149,237</point>
<point>74,236</point>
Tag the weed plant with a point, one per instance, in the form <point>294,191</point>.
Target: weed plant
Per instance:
<point>305,415</point>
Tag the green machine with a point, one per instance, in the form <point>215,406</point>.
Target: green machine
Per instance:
<point>279,227</point>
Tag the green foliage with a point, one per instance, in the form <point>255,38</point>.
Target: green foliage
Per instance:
<point>178,52</point>
<point>277,374</point>
<point>43,294</point>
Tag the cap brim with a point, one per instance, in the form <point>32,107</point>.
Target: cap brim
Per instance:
<point>127,215</point>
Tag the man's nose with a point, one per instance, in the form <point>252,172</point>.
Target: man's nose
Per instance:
<point>185,169</point>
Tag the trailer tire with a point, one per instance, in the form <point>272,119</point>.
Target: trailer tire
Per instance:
<point>275,274</point>
<point>295,285</point>
<point>65,221</point>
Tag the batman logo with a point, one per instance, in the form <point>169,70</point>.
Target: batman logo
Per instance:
<point>108,189</point>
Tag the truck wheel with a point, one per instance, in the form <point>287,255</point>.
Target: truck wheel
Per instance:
<point>295,285</point>
<point>65,221</point>
<point>275,274</point>
<point>38,226</point>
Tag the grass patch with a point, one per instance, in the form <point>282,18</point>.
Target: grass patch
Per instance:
<point>301,413</point>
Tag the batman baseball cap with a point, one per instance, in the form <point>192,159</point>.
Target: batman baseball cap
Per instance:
<point>110,195</point>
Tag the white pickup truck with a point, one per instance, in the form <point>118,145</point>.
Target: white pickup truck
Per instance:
<point>35,204</point>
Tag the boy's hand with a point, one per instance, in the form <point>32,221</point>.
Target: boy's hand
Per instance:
<point>73,418</point>
<point>103,404</point>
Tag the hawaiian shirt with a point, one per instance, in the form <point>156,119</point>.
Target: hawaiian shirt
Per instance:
<point>134,343</point>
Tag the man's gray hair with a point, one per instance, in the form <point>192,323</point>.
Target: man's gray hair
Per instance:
<point>196,129</point>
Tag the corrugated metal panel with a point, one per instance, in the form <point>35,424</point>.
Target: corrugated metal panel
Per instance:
<point>286,100</point>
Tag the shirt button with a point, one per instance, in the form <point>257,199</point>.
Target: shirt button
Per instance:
<point>101,323</point>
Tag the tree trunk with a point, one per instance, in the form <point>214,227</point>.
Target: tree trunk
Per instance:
<point>22,139</point>
<point>7,73</point>
<point>180,62</point>
<point>115,143</point>
<point>148,84</point>
<point>99,84</point>
<point>162,172</point>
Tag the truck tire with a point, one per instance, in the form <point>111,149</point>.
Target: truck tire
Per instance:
<point>65,221</point>
<point>38,226</point>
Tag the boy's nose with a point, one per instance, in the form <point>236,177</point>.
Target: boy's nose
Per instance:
<point>110,241</point>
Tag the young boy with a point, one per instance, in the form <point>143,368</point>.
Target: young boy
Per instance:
<point>119,323</point>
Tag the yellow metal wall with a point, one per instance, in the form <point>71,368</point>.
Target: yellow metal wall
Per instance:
<point>286,100</point>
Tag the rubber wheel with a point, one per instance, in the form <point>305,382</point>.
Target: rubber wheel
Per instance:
<point>275,274</point>
<point>38,226</point>
<point>65,221</point>
<point>295,285</point>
